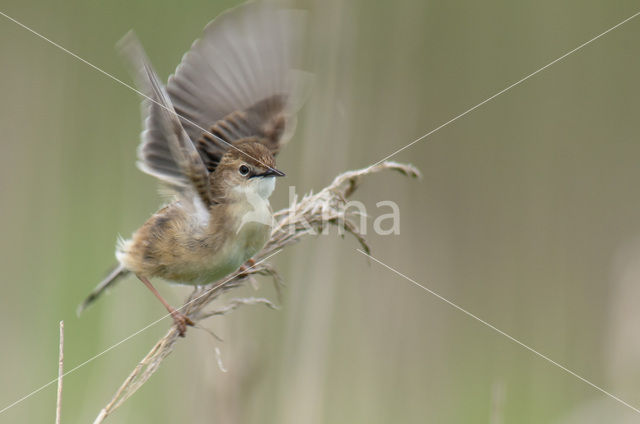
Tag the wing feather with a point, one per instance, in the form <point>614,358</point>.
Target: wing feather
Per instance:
<point>166,152</point>
<point>239,80</point>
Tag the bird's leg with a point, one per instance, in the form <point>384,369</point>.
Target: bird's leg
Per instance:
<point>180,319</point>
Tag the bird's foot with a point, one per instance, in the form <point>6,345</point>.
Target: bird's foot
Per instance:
<point>242,271</point>
<point>181,321</point>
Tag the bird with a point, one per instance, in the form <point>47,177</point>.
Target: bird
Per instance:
<point>210,137</point>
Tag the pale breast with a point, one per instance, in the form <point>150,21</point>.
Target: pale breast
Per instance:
<point>248,239</point>
<point>177,246</point>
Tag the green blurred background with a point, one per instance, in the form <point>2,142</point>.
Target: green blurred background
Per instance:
<point>528,216</point>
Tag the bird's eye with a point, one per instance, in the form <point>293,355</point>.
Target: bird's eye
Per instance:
<point>244,170</point>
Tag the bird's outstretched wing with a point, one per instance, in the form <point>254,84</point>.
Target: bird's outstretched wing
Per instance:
<point>166,152</point>
<point>239,80</point>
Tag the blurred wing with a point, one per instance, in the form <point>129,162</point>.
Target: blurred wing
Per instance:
<point>166,152</point>
<point>238,80</point>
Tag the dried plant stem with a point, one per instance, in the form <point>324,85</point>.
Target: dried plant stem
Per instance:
<point>309,216</point>
<point>60,374</point>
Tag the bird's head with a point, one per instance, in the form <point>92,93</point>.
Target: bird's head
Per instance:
<point>249,168</point>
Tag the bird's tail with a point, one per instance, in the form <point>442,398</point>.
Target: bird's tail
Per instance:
<point>118,272</point>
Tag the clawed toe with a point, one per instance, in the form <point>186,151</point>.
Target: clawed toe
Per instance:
<point>243,270</point>
<point>181,321</point>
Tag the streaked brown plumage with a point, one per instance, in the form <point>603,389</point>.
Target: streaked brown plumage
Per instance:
<point>236,95</point>
<point>173,244</point>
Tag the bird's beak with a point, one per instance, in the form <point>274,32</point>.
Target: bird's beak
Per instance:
<point>271,172</point>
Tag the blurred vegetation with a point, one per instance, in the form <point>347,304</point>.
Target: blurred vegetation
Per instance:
<point>528,216</point>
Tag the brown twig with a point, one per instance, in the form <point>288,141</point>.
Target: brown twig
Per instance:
<point>309,216</point>
<point>60,374</point>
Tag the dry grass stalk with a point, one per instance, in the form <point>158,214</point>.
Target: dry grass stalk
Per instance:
<point>60,374</point>
<point>310,216</point>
